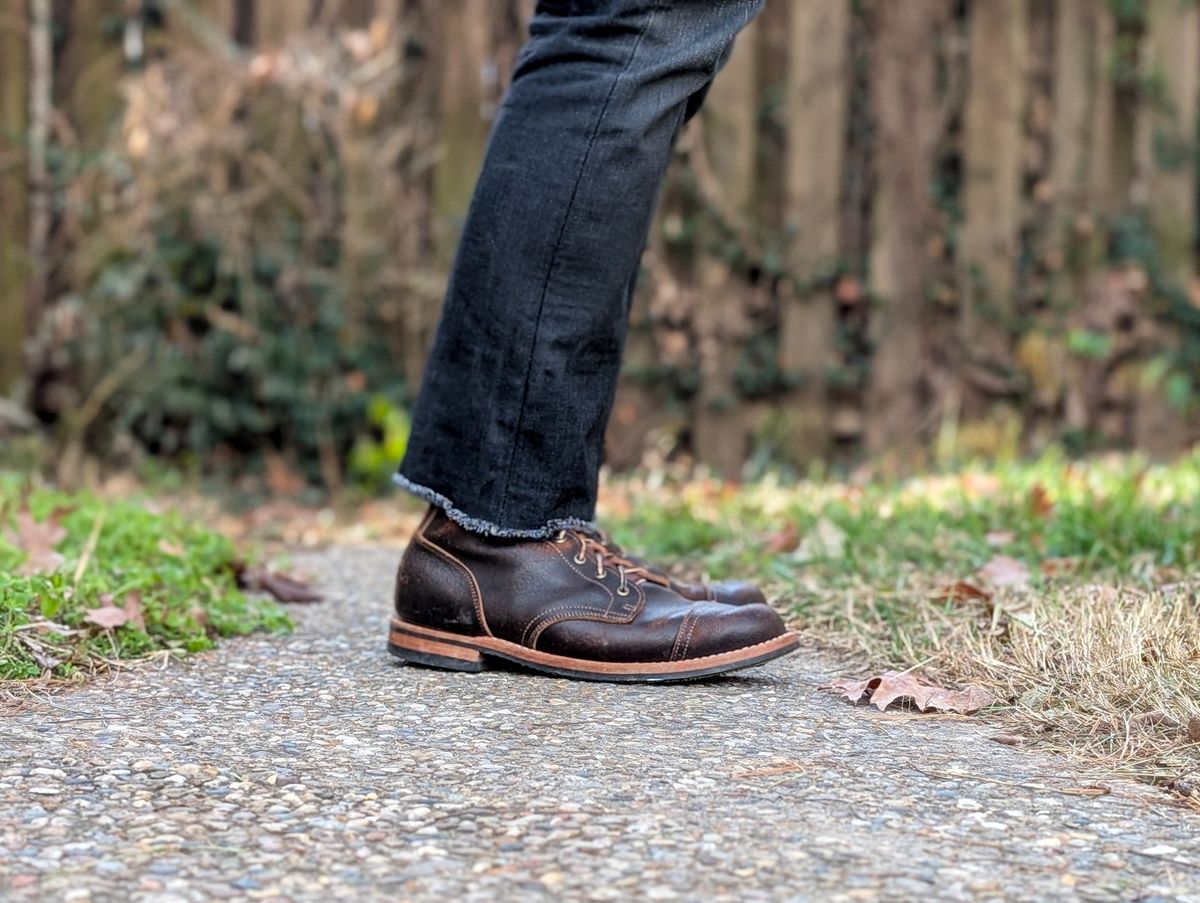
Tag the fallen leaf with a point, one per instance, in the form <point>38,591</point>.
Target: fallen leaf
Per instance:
<point>1009,739</point>
<point>108,616</point>
<point>961,591</point>
<point>38,652</point>
<point>133,611</point>
<point>283,587</point>
<point>784,540</point>
<point>1039,501</point>
<point>1157,718</point>
<point>1193,730</point>
<point>170,548</point>
<point>1005,571</point>
<point>37,541</point>
<point>890,686</point>
<point>825,540</point>
<point>1055,567</point>
<point>1000,538</point>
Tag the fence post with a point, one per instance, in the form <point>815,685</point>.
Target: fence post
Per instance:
<point>817,95</point>
<point>1173,52</point>
<point>730,135</point>
<point>14,189</point>
<point>1081,141</point>
<point>993,141</point>
<point>908,118</point>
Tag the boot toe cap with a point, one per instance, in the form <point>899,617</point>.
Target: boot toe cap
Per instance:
<point>713,628</point>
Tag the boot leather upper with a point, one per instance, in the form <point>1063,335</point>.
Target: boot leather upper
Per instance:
<point>555,596</point>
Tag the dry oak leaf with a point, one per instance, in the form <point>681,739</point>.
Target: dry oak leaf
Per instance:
<point>784,540</point>
<point>999,538</point>
<point>1005,571</point>
<point>1040,502</point>
<point>107,616</point>
<point>284,587</point>
<point>1056,567</point>
<point>37,541</point>
<point>884,689</point>
<point>961,591</point>
<point>133,611</point>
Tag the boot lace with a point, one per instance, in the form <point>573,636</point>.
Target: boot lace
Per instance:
<point>607,556</point>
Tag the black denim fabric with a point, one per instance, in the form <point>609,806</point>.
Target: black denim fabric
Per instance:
<point>509,424</point>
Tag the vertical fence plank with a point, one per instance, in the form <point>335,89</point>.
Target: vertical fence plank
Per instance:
<point>816,97</point>
<point>721,426</point>
<point>463,41</point>
<point>14,190</point>
<point>275,22</point>
<point>908,122</point>
<point>88,71</point>
<point>993,136</point>
<point>1172,49</point>
<point>461,36</point>
<point>1171,68</point>
<point>1082,140</point>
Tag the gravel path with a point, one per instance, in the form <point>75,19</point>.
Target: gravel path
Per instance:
<point>312,767</point>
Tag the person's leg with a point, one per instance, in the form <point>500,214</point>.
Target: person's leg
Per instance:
<point>509,425</point>
<point>508,429</point>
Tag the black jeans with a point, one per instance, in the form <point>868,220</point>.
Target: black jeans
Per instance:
<point>508,429</point>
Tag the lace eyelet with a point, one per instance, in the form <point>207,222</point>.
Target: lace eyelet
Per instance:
<point>622,590</point>
<point>580,559</point>
<point>560,536</point>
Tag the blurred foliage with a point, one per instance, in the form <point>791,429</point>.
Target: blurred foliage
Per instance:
<point>373,458</point>
<point>248,263</point>
<point>238,280</point>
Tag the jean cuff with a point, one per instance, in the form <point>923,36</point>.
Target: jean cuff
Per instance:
<point>486,527</point>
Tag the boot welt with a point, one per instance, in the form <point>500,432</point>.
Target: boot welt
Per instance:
<point>439,649</point>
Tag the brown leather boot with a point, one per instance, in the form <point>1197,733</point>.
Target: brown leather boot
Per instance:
<point>727,592</point>
<point>567,606</point>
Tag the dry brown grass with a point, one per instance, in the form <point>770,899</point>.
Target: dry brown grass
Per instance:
<point>1106,673</point>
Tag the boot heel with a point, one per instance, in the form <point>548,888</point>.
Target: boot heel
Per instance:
<point>421,649</point>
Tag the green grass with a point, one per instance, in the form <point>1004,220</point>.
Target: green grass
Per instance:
<point>179,575</point>
<point>1119,518</point>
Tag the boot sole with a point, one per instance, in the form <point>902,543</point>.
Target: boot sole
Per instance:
<point>454,652</point>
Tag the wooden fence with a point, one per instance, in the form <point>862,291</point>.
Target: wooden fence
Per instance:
<point>899,225</point>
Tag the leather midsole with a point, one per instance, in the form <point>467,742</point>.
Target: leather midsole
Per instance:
<point>404,634</point>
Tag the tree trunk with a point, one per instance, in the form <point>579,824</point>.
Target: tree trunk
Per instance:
<point>721,436</point>
<point>905,101</point>
<point>993,134</point>
<point>14,189</point>
<point>817,100</point>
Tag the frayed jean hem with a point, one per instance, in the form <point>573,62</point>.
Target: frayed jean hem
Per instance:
<point>486,527</point>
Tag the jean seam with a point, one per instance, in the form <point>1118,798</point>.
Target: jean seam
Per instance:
<point>587,154</point>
